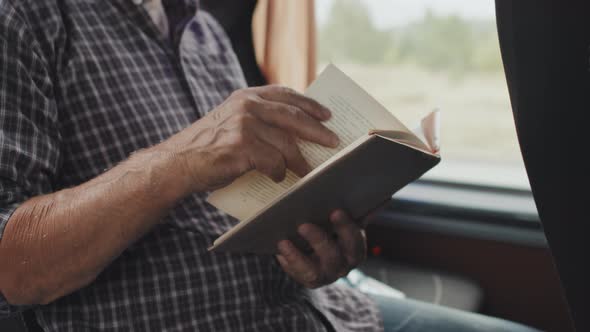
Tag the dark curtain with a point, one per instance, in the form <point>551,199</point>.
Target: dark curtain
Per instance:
<point>546,50</point>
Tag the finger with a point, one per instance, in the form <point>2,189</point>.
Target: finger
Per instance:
<point>327,251</point>
<point>351,238</point>
<point>291,97</point>
<point>309,281</point>
<point>297,265</point>
<point>267,160</point>
<point>284,143</point>
<point>296,121</point>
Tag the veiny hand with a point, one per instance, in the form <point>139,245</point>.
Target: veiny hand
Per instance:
<point>332,258</point>
<point>254,129</point>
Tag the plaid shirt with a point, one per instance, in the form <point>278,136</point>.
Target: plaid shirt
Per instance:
<point>83,84</point>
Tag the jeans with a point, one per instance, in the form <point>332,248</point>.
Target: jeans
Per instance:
<point>405,315</point>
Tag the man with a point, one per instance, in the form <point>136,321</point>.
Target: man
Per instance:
<point>117,117</point>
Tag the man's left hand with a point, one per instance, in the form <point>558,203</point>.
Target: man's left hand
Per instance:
<point>332,258</point>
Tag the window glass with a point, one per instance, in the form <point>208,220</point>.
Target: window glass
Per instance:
<point>417,55</point>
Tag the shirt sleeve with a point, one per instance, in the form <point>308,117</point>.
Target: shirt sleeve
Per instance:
<point>29,136</point>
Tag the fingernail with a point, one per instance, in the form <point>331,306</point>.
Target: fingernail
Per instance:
<point>326,113</point>
<point>282,259</point>
<point>335,140</point>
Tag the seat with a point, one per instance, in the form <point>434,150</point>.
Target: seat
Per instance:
<point>427,285</point>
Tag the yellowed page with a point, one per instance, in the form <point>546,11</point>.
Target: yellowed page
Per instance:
<point>354,114</point>
<point>429,131</point>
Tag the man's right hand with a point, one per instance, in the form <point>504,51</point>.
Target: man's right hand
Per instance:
<point>69,236</point>
<point>254,129</point>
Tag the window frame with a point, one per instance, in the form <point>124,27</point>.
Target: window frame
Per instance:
<point>512,218</point>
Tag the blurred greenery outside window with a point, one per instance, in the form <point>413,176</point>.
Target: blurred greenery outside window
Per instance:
<point>417,55</point>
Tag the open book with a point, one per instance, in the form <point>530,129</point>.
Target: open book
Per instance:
<point>377,156</point>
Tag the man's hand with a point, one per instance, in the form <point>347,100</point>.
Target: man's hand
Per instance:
<point>332,258</point>
<point>255,128</point>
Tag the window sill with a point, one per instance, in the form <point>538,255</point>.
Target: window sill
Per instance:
<point>495,214</point>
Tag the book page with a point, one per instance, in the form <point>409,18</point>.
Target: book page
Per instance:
<point>354,114</point>
<point>429,131</point>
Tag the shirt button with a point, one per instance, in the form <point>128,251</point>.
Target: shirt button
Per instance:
<point>138,2</point>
